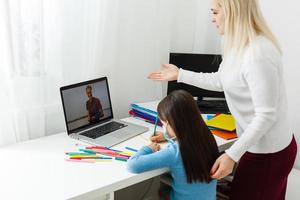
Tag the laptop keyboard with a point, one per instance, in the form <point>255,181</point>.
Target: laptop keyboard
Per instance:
<point>103,130</point>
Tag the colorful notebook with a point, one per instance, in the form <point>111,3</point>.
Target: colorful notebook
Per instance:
<point>148,107</point>
<point>227,135</point>
<point>222,121</point>
<point>144,116</point>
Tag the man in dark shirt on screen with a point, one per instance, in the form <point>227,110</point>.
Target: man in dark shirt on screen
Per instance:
<point>93,106</point>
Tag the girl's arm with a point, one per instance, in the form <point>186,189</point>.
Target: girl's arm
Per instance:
<point>146,160</point>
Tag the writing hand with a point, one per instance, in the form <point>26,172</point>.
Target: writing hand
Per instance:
<point>158,137</point>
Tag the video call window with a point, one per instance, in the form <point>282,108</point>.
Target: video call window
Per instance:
<point>87,105</point>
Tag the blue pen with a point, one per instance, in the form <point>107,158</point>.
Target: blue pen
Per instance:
<point>156,121</point>
<point>104,158</point>
<point>114,150</point>
<point>131,149</point>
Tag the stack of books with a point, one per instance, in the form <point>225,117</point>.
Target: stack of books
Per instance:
<point>222,125</point>
<point>145,111</point>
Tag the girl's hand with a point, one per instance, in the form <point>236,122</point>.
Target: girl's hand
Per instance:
<point>168,72</point>
<point>222,167</point>
<point>158,137</point>
<point>155,147</point>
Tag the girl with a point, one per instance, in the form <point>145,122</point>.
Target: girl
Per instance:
<point>190,153</point>
<point>251,76</point>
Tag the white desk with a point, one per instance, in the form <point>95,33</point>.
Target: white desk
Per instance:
<point>37,169</point>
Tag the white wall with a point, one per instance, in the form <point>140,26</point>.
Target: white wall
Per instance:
<point>283,18</point>
<point>192,28</point>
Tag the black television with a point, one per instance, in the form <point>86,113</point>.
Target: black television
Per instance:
<point>199,63</point>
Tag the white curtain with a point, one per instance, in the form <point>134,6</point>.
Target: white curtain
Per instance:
<point>45,44</point>
<point>23,95</point>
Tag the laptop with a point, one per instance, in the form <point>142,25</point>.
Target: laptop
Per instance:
<point>89,115</point>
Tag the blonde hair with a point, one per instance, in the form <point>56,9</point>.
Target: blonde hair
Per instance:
<point>243,23</point>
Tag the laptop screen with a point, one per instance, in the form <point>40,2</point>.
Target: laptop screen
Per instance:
<point>86,104</point>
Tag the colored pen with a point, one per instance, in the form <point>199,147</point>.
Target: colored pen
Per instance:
<point>156,120</point>
<point>80,154</point>
<point>101,149</point>
<point>91,158</point>
<point>100,160</point>
<point>123,156</point>
<point>87,151</point>
<point>107,152</point>
<point>114,150</point>
<point>77,160</point>
<point>95,147</point>
<point>104,158</point>
<point>126,153</point>
<point>121,159</point>
<point>85,157</point>
<point>131,149</point>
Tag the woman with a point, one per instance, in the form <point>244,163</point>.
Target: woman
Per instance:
<point>252,79</point>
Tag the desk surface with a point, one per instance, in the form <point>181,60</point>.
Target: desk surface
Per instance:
<point>37,169</point>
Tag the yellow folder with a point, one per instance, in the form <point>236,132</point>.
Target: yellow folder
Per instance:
<point>222,121</point>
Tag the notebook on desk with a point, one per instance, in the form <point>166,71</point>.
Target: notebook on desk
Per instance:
<point>89,115</point>
<point>223,122</point>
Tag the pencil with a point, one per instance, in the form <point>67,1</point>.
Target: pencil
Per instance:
<point>156,120</point>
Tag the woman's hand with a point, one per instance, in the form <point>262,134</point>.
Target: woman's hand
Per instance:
<point>168,72</point>
<point>158,137</point>
<point>155,147</point>
<point>222,167</point>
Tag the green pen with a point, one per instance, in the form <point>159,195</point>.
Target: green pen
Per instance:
<point>121,159</point>
<point>155,125</point>
<point>87,151</point>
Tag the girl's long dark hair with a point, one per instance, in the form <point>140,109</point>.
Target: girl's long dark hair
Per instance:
<point>197,145</point>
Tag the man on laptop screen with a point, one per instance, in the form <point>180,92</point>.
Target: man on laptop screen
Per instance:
<point>93,106</point>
